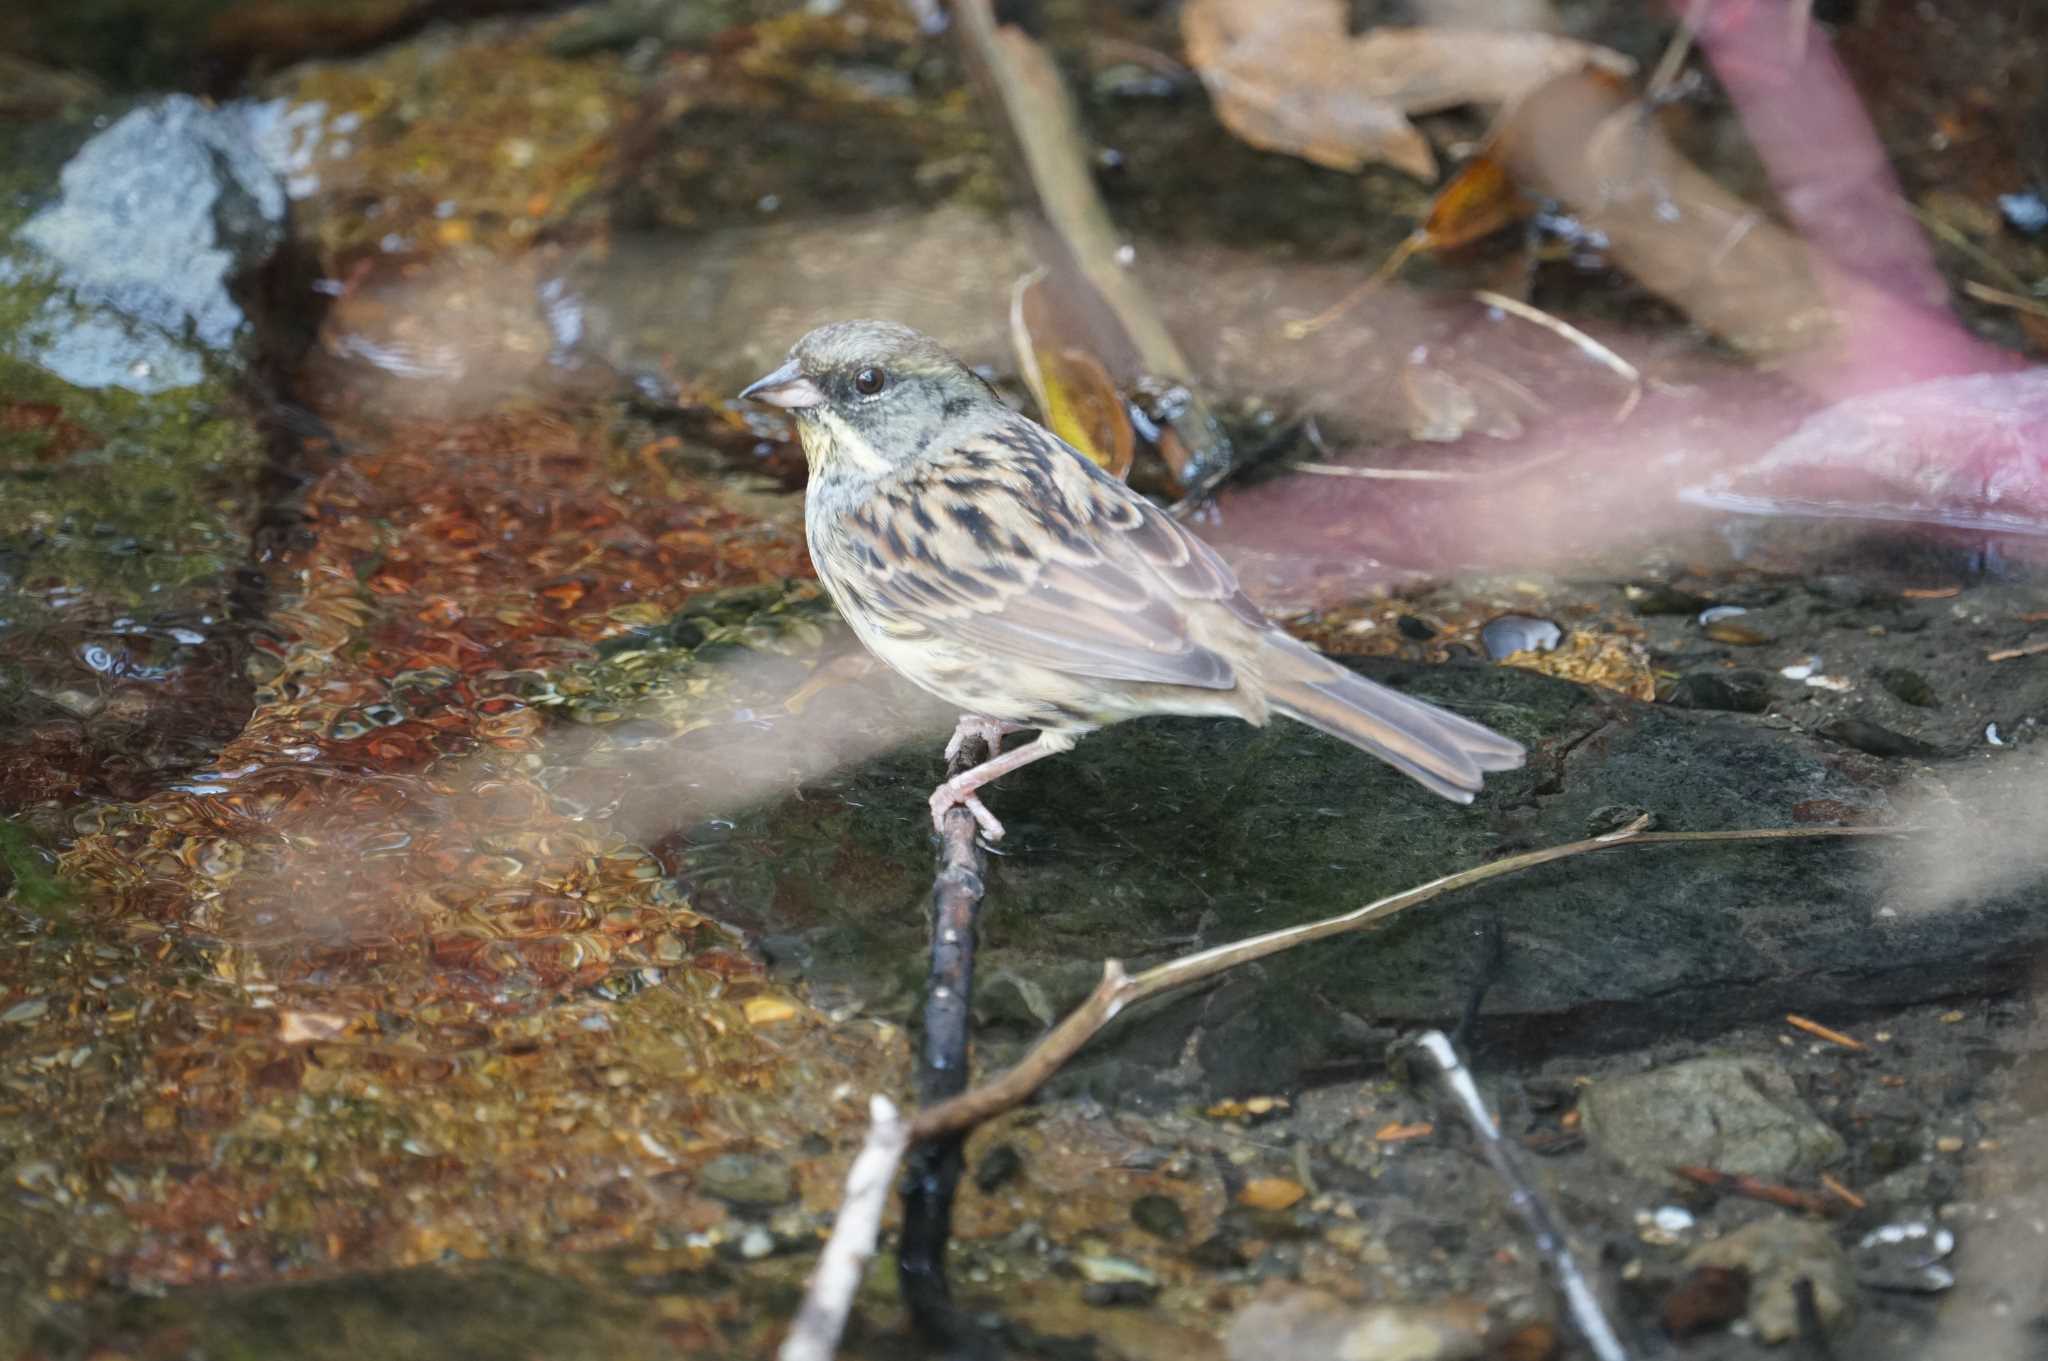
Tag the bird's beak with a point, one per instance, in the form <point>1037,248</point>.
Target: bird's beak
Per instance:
<point>786,387</point>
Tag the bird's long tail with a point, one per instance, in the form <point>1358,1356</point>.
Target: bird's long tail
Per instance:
<point>1444,753</point>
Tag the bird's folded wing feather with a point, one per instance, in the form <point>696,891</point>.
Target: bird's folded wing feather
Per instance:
<point>1017,544</point>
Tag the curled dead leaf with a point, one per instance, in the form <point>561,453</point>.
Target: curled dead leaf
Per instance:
<point>1291,78</point>
<point>1072,387</point>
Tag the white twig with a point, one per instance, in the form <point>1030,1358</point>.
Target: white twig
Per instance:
<point>1580,1297</point>
<point>829,1298</point>
<point>1585,344</point>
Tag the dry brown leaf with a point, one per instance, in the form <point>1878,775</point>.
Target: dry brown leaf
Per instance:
<point>1075,394</point>
<point>1288,77</point>
<point>1478,201</point>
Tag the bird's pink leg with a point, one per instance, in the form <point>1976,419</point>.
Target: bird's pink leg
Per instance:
<point>960,791</point>
<point>989,730</point>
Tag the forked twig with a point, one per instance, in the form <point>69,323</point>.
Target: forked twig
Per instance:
<point>1118,990</point>
<point>945,1122</point>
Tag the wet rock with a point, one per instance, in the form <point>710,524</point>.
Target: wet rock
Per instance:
<point>1655,598</point>
<point>1736,692</point>
<point>1907,685</point>
<point>1875,739</point>
<point>207,44</point>
<point>1165,835</point>
<point>1288,1322</point>
<point>998,1167</point>
<point>1101,1269</point>
<point>1512,633</point>
<point>1733,1115</point>
<point>1736,632</point>
<point>143,300</point>
<point>2025,212</point>
<point>130,454</point>
<point>1907,1255</point>
<point>1777,1254</point>
<point>1109,1294</point>
<point>1709,1297</point>
<point>1160,1216</point>
<point>747,1180</point>
<point>1845,592</point>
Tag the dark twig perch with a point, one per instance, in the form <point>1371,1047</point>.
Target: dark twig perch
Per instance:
<point>934,1165</point>
<point>944,1120</point>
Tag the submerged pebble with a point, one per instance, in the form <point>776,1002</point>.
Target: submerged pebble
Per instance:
<point>1874,739</point>
<point>1736,692</point>
<point>1512,633</point>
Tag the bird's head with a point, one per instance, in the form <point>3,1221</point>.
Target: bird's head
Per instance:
<point>873,395</point>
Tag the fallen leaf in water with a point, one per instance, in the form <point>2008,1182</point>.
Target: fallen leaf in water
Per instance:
<point>1477,201</point>
<point>1074,391</point>
<point>1966,453</point>
<point>1291,78</point>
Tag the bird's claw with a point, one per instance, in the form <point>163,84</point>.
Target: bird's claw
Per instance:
<point>946,798</point>
<point>990,730</point>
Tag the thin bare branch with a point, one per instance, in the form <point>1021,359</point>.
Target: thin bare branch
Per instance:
<point>828,1299</point>
<point>1584,343</point>
<point>1117,991</point>
<point>1581,1299</point>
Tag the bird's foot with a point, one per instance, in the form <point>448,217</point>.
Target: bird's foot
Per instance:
<point>951,795</point>
<point>989,730</point>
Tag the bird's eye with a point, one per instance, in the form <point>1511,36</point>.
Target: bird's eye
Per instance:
<point>868,382</point>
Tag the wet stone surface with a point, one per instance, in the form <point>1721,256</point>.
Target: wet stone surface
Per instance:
<point>1163,836</point>
<point>470,923</point>
<point>132,447</point>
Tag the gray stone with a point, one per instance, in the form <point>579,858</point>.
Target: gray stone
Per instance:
<point>1778,1253</point>
<point>1160,836</point>
<point>1286,1322</point>
<point>157,218</point>
<point>1733,1115</point>
<point>747,1180</point>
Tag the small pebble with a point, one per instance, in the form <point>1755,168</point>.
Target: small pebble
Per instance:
<point>1659,598</point>
<point>1875,739</point>
<point>1270,1193</point>
<point>1735,692</point>
<point>1512,633</point>
<point>746,1180</point>
<point>1160,1216</point>
<point>1735,633</point>
<point>999,1165</point>
<point>1907,686</point>
<point>2025,212</point>
<point>1111,1293</point>
<point>1102,1269</point>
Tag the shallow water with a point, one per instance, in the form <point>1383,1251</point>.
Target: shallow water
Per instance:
<point>461,882</point>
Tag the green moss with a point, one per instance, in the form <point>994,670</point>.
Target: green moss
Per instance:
<point>31,882</point>
<point>118,495</point>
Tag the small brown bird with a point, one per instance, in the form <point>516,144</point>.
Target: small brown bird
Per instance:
<point>997,567</point>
